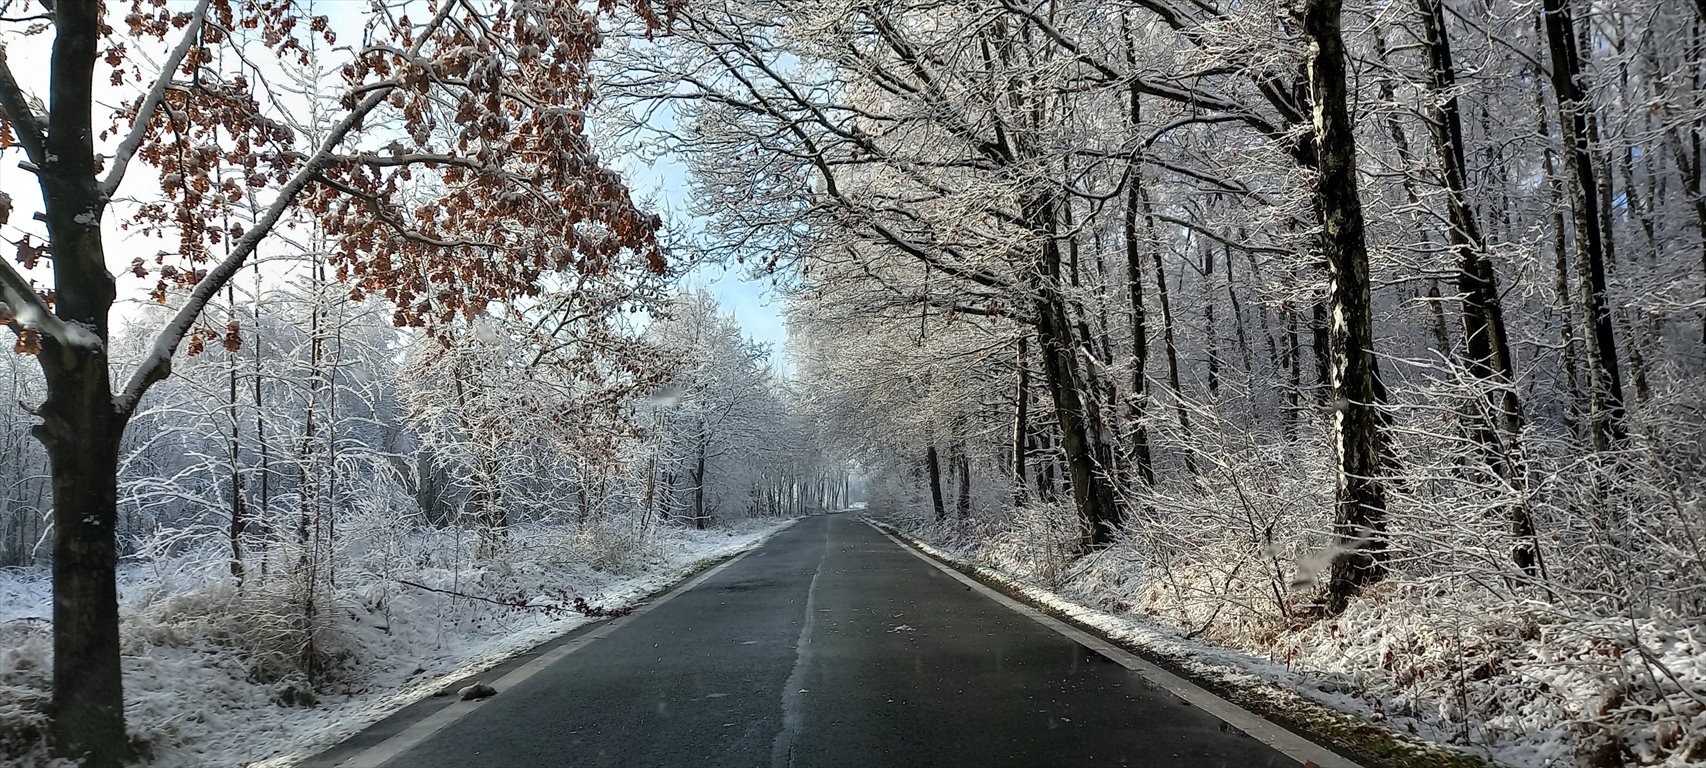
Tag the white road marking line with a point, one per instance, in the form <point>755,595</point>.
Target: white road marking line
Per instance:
<point>379,754</point>
<point>782,746</point>
<point>1287,743</point>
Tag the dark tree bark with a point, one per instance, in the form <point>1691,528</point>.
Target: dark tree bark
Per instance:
<point>1560,262</point>
<point>1021,414</point>
<point>80,426</point>
<point>1689,172</point>
<point>1167,339</point>
<point>1321,345</point>
<point>263,507</point>
<point>1276,361</point>
<point>1487,354</point>
<point>1241,331</point>
<point>700,519</point>
<point>1211,330</point>
<point>933,465</point>
<point>82,436</point>
<point>1294,370</point>
<point>239,520</point>
<point>1605,382</point>
<point>1044,445</point>
<point>1138,401</point>
<point>963,505</point>
<point>1436,318</point>
<point>307,490</point>
<point>648,499</point>
<point>1086,459</point>
<point>1360,516</point>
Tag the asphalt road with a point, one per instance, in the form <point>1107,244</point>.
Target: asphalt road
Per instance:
<point>829,645</point>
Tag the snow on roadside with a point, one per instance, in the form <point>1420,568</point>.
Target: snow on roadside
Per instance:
<point>207,675</point>
<point>1321,700</point>
<point>1525,684</point>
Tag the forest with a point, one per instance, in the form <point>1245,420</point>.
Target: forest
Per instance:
<point>1363,339</point>
<point>1366,337</point>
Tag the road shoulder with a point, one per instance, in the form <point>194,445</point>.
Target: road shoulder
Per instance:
<point>411,721</point>
<point>1334,735</point>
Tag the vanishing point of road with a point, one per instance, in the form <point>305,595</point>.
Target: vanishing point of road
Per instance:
<point>831,644</point>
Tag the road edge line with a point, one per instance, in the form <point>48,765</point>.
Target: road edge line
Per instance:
<point>1257,727</point>
<point>378,754</point>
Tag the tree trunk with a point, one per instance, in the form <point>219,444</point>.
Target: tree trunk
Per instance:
<point>263,510</point>
<point>1021,427</point>
<point>1321,344</point>
<point>80,426</point>
<point>1688,171</point>
<point>1487,354</point>
<point>700,520</point>
<point>238,518</point>
<point>1605,383</point>
<point>1436,318</point>
<point>1211,331</point>
<point>82,434</point>
<point>933,465</point>
<point>1046,468</point>
<point>331,384</point>
<point>963,507</point>
<point>1168,344</point>
<point>648,503</point>
<point>1294,369</point>
<point>1360,515</point>
<point>306,490</point>
<point>1246,353</point>
<point>1560,262</point>
<point>1097,515</point>
<point>1138,401</point>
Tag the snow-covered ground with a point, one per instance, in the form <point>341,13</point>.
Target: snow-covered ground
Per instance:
<point>1516,685</point>
<point>214,676</point>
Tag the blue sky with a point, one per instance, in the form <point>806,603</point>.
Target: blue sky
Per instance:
<point>758,309</point>
<point>750,300</point>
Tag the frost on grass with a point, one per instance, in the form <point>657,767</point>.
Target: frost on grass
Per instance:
<point>215,676</point>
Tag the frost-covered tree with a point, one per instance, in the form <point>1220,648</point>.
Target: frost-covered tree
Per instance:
<point>725,444</point>
<point>1293,302</point>
<point>492,97</point>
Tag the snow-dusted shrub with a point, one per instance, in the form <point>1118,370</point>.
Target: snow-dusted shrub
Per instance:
<point>215,675</point>
<point>25,647</point>
<point>1597,659</point>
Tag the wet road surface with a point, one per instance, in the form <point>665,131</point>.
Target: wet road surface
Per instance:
<point>829,645</point>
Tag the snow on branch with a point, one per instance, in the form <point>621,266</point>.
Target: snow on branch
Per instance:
<point>26,311</point>
<point>158,364</point>
<point>156,94</point>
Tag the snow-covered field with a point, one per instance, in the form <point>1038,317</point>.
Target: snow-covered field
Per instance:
<point>215,676</point>
<point>1518,685</point>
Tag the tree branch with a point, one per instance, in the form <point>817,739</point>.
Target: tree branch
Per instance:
<point>25,122</point>
<point>29,312</point>
<point>1217,237</point>
<point>145,112</point>
<point>158,364</point>
<point>398,227</point>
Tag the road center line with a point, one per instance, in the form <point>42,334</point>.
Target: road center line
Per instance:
<point>782,749</point>
<point>1287,743</point>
